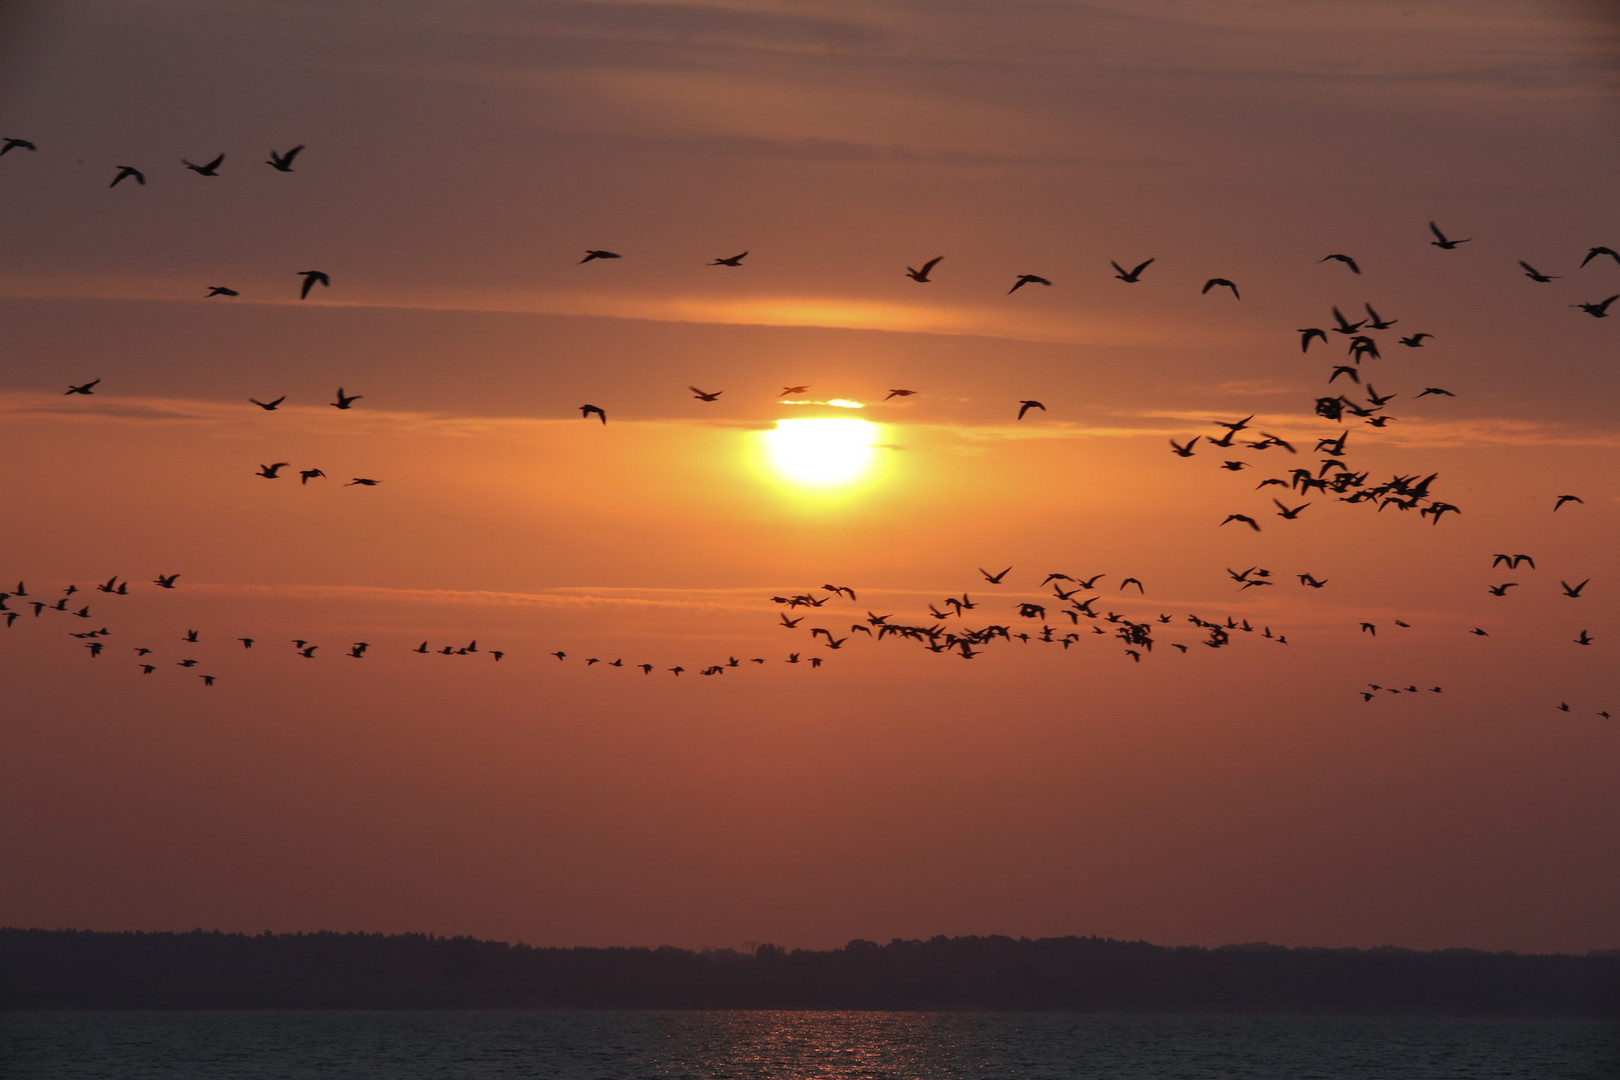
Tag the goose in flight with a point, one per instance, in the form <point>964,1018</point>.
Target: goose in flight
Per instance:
<point>165,581</point>
<point>1415,341</point>
<point>704,395</point>
<point>8,145</point>
<point>311,279</point>
<point>1441,241</point>
<point>283,162</point>
<point>1500,590</point>
<point>1347,260</point>
<point>1512,561</point>
<point>1427,390</point>
<point>1222,282</point>
<point>1590,255</point>
<point>1574,591</point>
<point>126,172</point>
<point>363,481</point>
<point>306,475</point>
<point>1025,406</point>
<point>916,274</point>
<point>735,260</point>
<point>344,401</point>
<point>1307,334</point>
<point>84,388</point>
<point>269,472</point>
<point>899,393</point>
<point>1562,499</point>
<point>1284,512</point>
<point>786,390</point>
<point>209,169</point>
<point>1599,310</point>
<point>1345,325</point>
<point>269,406</point>
<point>1183,451</point>
<point>1584,639</point>
<point>1131,276</point>
<point>1249,521</point>
<point>1027,279</point>
<point>220,290</point>
<point>994,579</point>
<point>585,412</point>
<point>597,253</point>
<point>1375,322</point>
<point>1536,275</point>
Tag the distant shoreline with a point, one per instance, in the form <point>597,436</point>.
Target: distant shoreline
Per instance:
<point>69,969</point>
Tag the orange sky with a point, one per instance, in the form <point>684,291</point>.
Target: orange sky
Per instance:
<point>458,164</point>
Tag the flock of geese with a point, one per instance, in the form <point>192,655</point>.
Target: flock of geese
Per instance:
<point>948,628</point>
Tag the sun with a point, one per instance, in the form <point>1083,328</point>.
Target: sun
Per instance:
<point>821,452</point>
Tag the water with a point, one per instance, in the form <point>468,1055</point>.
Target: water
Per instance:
<point>299,1045</point>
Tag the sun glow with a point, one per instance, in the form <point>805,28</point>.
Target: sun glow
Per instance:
<point>821,452</point>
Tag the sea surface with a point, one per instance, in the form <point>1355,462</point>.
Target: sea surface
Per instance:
<point>403,1045</point>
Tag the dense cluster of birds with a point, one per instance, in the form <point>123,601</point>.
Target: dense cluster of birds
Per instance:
<point>946,629</point>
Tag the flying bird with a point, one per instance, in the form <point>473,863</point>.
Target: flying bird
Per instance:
<point>220,290</point>
<point>209,169</point>
<point>1249,521</point>
<point>1428,390</point>
<point>306,475</point>
<point>269,406</point>
<point>899,393</point>
<point>1536,275</point>
<point>311,279</point>
<point>1131,276</point>
<point>269,471</point>
<point>1027,279</point>
<point>8,145</point>
<point>1599,310</point>
<point>1590,255</point>
<point>1183,451</point>
<point>921,275</point>
<point>127,172</point>
<point>363,481</point>
<point>585,412</point>
<point>1562,499</point>
<point>596,253</point>
<point>1440,240</point>
<point>786,390</point>
<point>84,388</point>
<point>344,401</point>
<point>1214,281</point>
<point>704,395</point>
<point>1347,260</point>
<point>994,579</point>
<point>1574,591</point>
<point>1025,406</point>
<point>735,260</point>
<point>283,162</point>
<point>165,581</point>
<point>1307,334</point>
<point>1415,341</point>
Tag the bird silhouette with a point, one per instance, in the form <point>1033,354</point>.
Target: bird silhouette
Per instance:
<point>786,390</point>
<point>1376,323</point>
<point>916,274</point>
<point>128,172</point>
<point>344,401</point>
<point>165,581</point>
<point>585,411</point>
<point>994,579</point>
<point>1574,591</point>
<point>363,482</point>
<point>704,395</point>
<point>1595,252</point>
<point>209,169</point>
<point>269,406</point>
<point>1347,260</point>
<point>1249,521</point>
<point>1183,451</point>
<point>220,290</point>
<point>1599,310</point>
<point>1309,334</point>
<point>283,162</point>
<point>1131,276</point>
<point>1435,391</point>
<point>269,472</point>
<point>1025,406</point>
<point>899,393</point>
<point>596,253</point>
<point>1441,241</point>
<point>83,388</point>
<point>8,145</point>
<point>1562,499</point>
<point>1224,283</point>
<point>306,475</point>
<point>1415,341</point>
<point>735,260</point>
<point>1027,279</point>
<point>313,278</point>
<point>1536,275</point>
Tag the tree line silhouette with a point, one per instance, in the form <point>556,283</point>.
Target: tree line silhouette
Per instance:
<point>201,969</point>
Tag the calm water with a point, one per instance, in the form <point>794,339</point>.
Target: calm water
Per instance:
<point>789,1045</point>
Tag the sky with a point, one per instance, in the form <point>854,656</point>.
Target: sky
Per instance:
<point>458,163</point>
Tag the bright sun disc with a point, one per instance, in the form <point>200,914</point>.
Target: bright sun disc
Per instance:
<point>821,452</point>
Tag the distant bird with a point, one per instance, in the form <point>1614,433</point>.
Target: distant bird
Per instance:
<point>1536,275</point>
<point>220,290</point>
<point>311,279</point>
<point>1027,279</point>
<point>994,579</point>
<point>1308,334</point>
<point>704,395</point>
<point>1249,521</point>
<point>1512,561</point>
<point>1347,260</point>
<point>247,642</point>
<point>208,680</point>
<point>1132,581</point>
<point>1375,322</point>
<point>1428,390</point>
<point>1584,639</point>
<point>363,481</point>
<point>126,172</point>
<point>1574,591</point>
<point>1131,276</point>
<point>596,253</point>
<point>1590,255</point>
<point>269,471</point>
<point>1369,628</point>
<point>1025,406</point>
<point>269,406</point>
<point>344,401</point>
<point>1562,499</point>
<point>84,388</point>
<point>165,581</point>
<point>735,260</point>
<point>921,275</point>
<point>8,145</point>
<point>1345,326</point>
<point>1501,590</point>
<point>1183,451</point>
<point>786,390</point>
<point>1599,310</point>
<point>1477,632</point>
<point>1441,241</point>
<point>1290,515</point>
<point>1214,281</point>
<point>1415,341</point>
<point>306,475</point>
<point>1342,369</point>
<point>210,169</point>
<point>585,411</point>
<point>283,162</point>
<point>191,636</point>
<point>899,393</point>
